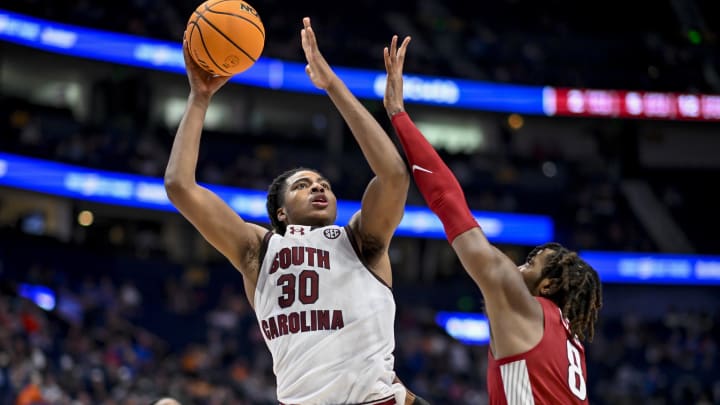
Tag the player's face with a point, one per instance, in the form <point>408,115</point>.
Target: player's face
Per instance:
<point>532,270</point>
<point>309,200</point>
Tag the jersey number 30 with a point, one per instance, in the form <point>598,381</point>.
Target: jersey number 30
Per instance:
<point>576,380</point>
<point>304,287</point>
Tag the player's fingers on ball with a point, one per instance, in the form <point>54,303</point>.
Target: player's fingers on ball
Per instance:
<point>186,53</point>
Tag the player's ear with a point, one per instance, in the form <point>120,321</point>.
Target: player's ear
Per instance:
<point>280,215</point>
<point>543,287</point>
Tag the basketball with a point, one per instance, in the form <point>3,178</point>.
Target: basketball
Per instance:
<point>225,37</point>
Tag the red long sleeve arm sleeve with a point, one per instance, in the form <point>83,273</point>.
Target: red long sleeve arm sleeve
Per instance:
<point>433,177</point>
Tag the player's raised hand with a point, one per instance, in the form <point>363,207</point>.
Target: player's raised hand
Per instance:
<point>317,68</point>
<point>202,83</point>
<point>394,60</point>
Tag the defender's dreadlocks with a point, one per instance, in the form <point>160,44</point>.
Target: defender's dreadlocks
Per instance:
<point>574,287</point>
<point>276,198</point>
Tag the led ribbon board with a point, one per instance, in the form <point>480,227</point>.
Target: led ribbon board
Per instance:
<point>149,192</point>
<point>290,76</point>
<point>655,268</point>
<point>469,328</point>
<point>266,72</point>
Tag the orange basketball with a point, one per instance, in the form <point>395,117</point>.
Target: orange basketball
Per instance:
<point>225,37</point>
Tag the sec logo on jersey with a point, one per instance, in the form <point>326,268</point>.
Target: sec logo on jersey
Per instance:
<point>331,233</point>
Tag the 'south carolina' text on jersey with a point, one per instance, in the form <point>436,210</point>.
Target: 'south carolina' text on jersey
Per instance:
<point>301,321</point>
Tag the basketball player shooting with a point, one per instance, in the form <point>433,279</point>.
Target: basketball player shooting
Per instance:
<point>321,292</point>
<point>539,312</point>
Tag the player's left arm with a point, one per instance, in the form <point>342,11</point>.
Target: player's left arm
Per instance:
<point>384,200</point>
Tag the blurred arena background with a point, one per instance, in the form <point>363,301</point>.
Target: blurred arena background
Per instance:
<point>595,121</point>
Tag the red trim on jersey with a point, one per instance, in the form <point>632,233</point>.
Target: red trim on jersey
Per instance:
<point>385,401</point>
<point>358,253</point>
<point>263,248</point>
<point>390,401</point>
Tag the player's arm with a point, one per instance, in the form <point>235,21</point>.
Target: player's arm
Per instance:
<point>384,199</point>
<point>497,276</point>
<point>211,216</point>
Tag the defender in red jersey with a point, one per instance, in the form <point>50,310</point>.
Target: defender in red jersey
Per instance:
<point>539,312</point>
<point>552,372</point>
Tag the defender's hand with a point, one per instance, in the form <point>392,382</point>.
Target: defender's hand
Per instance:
<point>317,68</point>
<point>394,60</point>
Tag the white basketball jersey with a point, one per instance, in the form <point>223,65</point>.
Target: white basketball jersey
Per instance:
<point>326,318</point>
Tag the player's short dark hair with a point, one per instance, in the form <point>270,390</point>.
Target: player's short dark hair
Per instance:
<point>276,197</point>
<point>574,286</point>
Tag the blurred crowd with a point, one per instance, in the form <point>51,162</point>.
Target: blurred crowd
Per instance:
<point>125,331</point>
